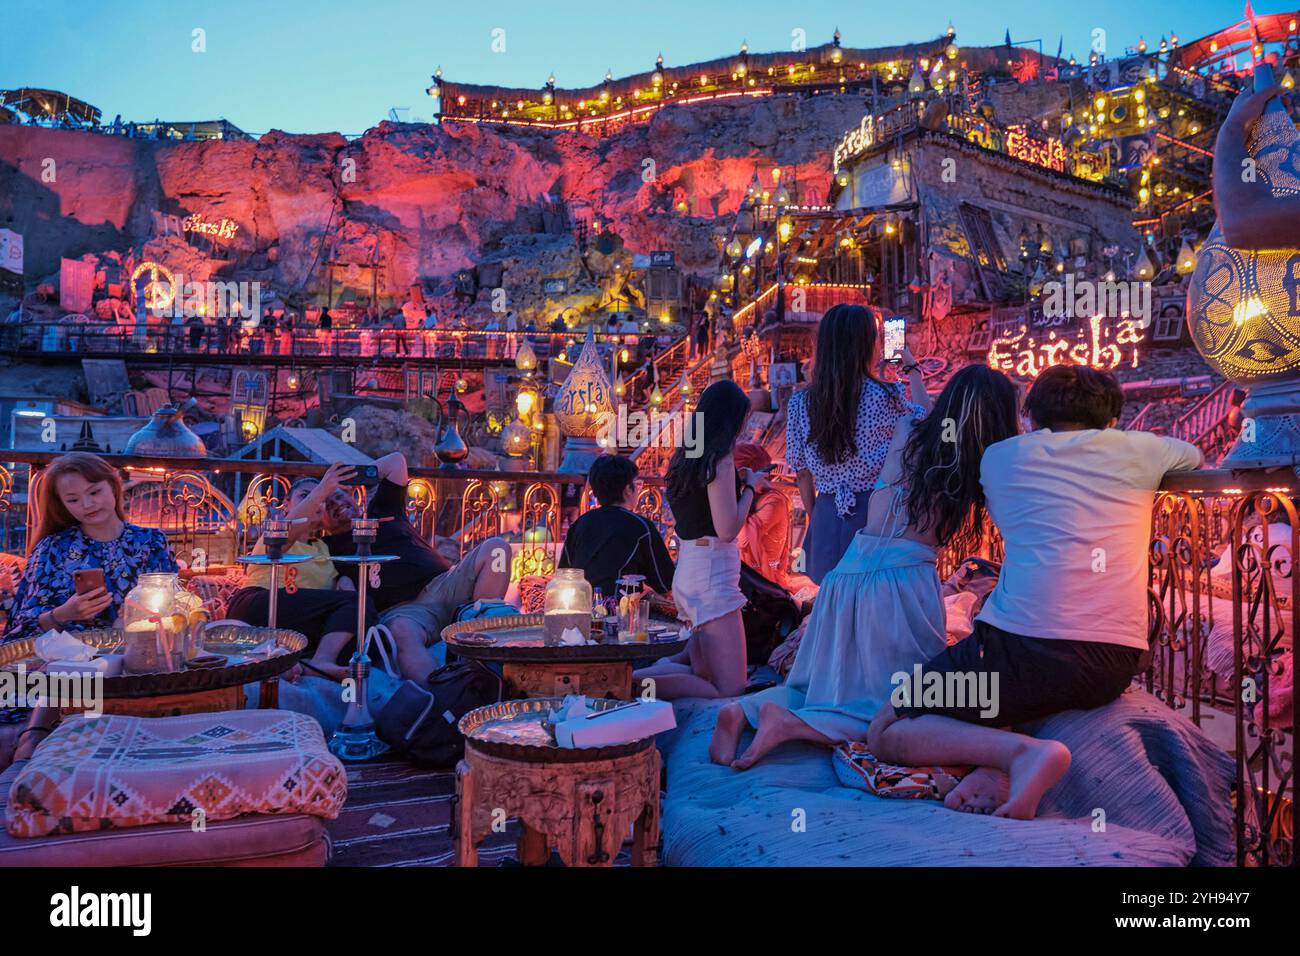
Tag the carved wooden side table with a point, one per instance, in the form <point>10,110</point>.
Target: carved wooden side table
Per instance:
<point>579,803</point>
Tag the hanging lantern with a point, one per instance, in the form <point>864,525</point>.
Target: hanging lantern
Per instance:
<point>916,85</point>
<point>1186,259</point>
<point>656,397</point>
<point>734,249</point>
<point>525,358</point>
<point>1241,307</point>
<point>516,439</point>
<point>781,197</point>
<point>1143,270</point>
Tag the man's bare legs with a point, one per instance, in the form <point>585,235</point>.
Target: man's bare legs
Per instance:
<point>717,663</point>
<point>325,660</point>
<point>415,661</point>
<point>1032,765</point>
<point>491,568</point>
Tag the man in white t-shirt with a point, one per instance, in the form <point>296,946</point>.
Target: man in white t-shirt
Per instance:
<point>1066,626</point>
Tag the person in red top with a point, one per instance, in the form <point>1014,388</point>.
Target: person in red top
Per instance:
<point>765,538</point>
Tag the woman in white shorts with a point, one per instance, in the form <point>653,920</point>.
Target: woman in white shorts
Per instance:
<point>709,515</point>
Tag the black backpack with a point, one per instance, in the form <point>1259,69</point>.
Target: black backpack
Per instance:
<point>770,614</point>
<point>419,721</point>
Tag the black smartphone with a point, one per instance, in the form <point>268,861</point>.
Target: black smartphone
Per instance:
<point>364,475</point>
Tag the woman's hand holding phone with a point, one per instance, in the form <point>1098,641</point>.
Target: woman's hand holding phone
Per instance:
<point>82,607</point>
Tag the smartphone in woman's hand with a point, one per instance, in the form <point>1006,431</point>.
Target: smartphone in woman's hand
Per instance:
<point>86,580</point>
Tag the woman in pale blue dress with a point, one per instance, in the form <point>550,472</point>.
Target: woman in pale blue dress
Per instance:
<point>879,610</point>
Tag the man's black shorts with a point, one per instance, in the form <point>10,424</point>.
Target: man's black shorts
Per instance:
<point>1036,677</point>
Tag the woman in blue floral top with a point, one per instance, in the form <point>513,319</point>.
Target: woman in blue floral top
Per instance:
<point>82,525</point>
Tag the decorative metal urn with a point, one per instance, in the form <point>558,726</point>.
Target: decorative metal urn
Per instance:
<point>167,435</point>
<point>1243,307</point>
<point>451,448</point>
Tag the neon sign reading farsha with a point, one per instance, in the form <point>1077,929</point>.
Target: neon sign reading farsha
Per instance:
<point>1094,344</point>
<point>857,140</point>
<point>218,229</point>
<point>1048,153</point>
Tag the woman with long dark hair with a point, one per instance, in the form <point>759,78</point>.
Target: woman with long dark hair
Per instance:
<point>880,611</point>
<point>839,429</point>
<point>702,492</point>
<point>81,525</point>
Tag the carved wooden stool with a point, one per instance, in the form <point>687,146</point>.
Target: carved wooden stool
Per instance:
<point>577,805</point>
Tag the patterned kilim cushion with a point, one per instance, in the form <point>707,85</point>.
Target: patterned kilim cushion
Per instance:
<point>114,771</point>
<point>857,767</point>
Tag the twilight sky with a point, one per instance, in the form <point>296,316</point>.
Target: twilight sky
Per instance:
<point>316,65</point>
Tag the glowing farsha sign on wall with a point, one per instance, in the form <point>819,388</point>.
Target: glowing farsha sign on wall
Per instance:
<point>856,141</point>
<point>215,228</point>
<point>1096,345</point>
<point>1048,153</point>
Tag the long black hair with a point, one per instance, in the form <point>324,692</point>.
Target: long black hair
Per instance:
<point>846,353</point>
<point>941,460</point>
<point>722,412</point>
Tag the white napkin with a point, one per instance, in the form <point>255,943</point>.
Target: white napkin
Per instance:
<point>573,707</point>
<point>571,636</point>
<point>61,646</point>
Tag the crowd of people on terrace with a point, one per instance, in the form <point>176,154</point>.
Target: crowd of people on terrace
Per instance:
<point>888,477</point>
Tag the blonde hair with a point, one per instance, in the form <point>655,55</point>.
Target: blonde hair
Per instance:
<point>53,515</point>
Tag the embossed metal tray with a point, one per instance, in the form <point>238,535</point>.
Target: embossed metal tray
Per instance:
<point>519,637</point>
<point>517,730</point>
<point>230,640</point>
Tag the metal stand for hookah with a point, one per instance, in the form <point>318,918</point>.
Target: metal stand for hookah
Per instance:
<point>275,536</point>
<point>356,740</point>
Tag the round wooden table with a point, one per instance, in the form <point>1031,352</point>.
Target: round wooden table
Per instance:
<point>533,668</point>
<point>579,803</point>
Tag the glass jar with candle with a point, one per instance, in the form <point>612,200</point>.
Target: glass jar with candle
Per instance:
<point>567,605</point>
<point>156,626</point>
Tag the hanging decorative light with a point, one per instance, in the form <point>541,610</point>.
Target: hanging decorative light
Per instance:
<point>1143,270</point>
<point>525,358</point>
<point>1186,259</point>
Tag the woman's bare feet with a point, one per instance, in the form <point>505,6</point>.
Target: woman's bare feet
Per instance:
<point>726,735</point>
<point>776,726</point>
<point>1038,765</point>
<point>982,790</point>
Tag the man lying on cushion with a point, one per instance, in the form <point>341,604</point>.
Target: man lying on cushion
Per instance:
<point>1067,622</point>
<point>421,593</point>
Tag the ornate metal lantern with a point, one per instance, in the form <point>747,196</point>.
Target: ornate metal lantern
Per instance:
<point>1242,308</point>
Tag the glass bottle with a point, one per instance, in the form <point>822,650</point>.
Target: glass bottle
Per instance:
<point>155,625</point>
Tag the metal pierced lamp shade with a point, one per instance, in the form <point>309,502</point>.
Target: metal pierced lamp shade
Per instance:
<point>584,398</point>
<point>1243,307</point>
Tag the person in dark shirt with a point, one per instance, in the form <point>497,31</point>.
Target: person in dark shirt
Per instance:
<point>421,593</point>
<point>612,540</point>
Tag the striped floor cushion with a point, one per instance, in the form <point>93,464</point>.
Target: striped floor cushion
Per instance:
<point>115,771</point>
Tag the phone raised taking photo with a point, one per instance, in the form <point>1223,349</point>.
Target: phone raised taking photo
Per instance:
<point>364,475</point>
<point>87,580</point>
<point>895,337</point>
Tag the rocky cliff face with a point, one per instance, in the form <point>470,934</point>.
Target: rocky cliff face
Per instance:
<point>423,200</point>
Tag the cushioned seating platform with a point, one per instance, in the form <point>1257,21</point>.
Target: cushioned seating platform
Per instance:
<point>258,840</point>
<point>1162,788</point>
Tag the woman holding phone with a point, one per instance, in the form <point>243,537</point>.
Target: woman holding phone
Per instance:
<point>84,556</point>
<point>840,427</point>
